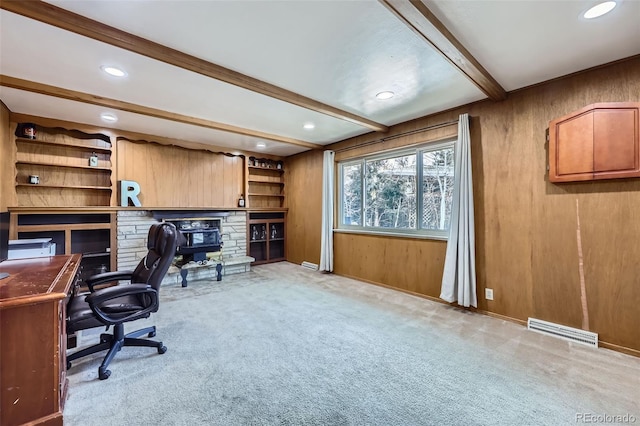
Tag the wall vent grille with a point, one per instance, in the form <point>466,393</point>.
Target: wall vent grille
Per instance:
<point>563,332</point>
<point>310,265</point>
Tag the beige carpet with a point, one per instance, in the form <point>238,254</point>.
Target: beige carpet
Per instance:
<point>283,345</point>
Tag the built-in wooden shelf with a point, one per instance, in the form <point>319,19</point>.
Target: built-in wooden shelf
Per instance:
<point>266,168</point>
<point>253,179</point>
<point>266,195</point>
<point>69,166</point>
<point>93,255</point>
<point>44,185</point>
<point>84,147</point>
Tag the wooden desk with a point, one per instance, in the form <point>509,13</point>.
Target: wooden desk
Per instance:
<point>33,338</point>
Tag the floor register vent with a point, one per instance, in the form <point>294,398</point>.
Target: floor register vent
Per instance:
<point>563,332</point>
<point>310,265</point>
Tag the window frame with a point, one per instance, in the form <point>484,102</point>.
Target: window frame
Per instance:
<point>418,232</point>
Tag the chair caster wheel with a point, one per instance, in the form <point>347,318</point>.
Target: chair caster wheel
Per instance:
<point>162,349</point>
<point>152,334</point>
<point>103,374</point>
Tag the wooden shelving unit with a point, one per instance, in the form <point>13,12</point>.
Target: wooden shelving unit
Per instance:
<point>91,232</point>
<point>265,187</point>
<point>61,161</point>
<point>266,236</point>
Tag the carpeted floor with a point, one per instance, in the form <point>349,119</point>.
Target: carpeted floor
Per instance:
<point>283,345</point>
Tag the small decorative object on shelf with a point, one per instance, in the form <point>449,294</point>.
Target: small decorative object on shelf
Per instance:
<point>241,201</point>
<point>274,233</point>
<point>28,130</point>
<point>279,165</point>
<point>254,233</point>
<point>252,161</point>
<point>93,160</point>
<point>34,179</point>
<point>263,234</point>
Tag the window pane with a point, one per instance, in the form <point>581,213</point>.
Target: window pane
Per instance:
<point>352,194</point>
<point>437,178</point>
<point>390,198</point>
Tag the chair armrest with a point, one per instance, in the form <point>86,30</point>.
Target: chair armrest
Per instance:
<point>107,277</point>
<point>97,298</point>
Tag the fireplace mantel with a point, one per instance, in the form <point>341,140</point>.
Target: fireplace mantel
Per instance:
<point>183,214</point>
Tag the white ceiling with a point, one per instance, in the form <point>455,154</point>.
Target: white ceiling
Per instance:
<point>340,53</point>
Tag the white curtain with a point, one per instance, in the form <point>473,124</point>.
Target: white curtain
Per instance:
<point>328,190</point>
<point>459,276</point>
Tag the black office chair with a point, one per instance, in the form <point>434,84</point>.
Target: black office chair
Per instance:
<point>118,304</point>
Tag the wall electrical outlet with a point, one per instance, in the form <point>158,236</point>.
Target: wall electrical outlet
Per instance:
<point>488,293</point>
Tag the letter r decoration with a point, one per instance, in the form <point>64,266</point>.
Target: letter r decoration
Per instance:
<point>129,190</point>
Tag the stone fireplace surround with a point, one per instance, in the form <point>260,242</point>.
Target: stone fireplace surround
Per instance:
<point>133,228</point>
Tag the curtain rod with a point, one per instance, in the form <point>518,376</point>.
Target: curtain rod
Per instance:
<point>411,132</point>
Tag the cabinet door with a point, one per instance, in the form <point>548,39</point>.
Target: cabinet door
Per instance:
<point>258,235</point>
<point>276,241</point>
<point>572,146</point>
<point>615,143</point>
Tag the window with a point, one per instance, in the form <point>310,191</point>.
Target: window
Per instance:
<point>406,191</point>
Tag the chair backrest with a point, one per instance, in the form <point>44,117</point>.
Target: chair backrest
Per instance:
<point>162,243</point>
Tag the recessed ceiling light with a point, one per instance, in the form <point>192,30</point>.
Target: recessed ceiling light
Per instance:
<point>108,117</point>
<point>261,145</point>
<point>599,10</point>
<point>309,126</point>
<point>116,72</point>
<point>385,95</point>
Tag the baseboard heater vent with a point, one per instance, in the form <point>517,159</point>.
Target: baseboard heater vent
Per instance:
<point>563,332</point>
<point>310,265</point>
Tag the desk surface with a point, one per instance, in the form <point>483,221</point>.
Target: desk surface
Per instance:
<point>36,279</point>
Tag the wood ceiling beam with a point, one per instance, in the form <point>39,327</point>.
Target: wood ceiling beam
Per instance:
<point>415,15</point>
<point>58,92</point>
<point>61,18</point>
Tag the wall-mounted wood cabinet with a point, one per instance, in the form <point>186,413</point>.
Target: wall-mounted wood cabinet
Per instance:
<point>599,141</point>
<point>61,168</point>
<point>265,187</point>
<point>265,236</point>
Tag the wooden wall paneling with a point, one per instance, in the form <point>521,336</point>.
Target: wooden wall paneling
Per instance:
<point>171,176</point>
<point>245,180</point>
<point>161,182</point>
<point>389,143</point>
<point>7,159</point>
<point>610,232</point>
<point>217,171</point>
<point>526,227</point>
<point>505,207</point>
<point>113,177</point>
<point>195,182</point>
<point>233,182</point>
<point>414,265</point>
<point>303,187</point>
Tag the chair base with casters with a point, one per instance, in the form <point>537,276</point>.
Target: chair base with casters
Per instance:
<point>113,343</point>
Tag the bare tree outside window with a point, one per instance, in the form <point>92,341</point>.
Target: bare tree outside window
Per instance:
<point>390,196</point>
<point>352,194</point>
<point>437,188</point>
